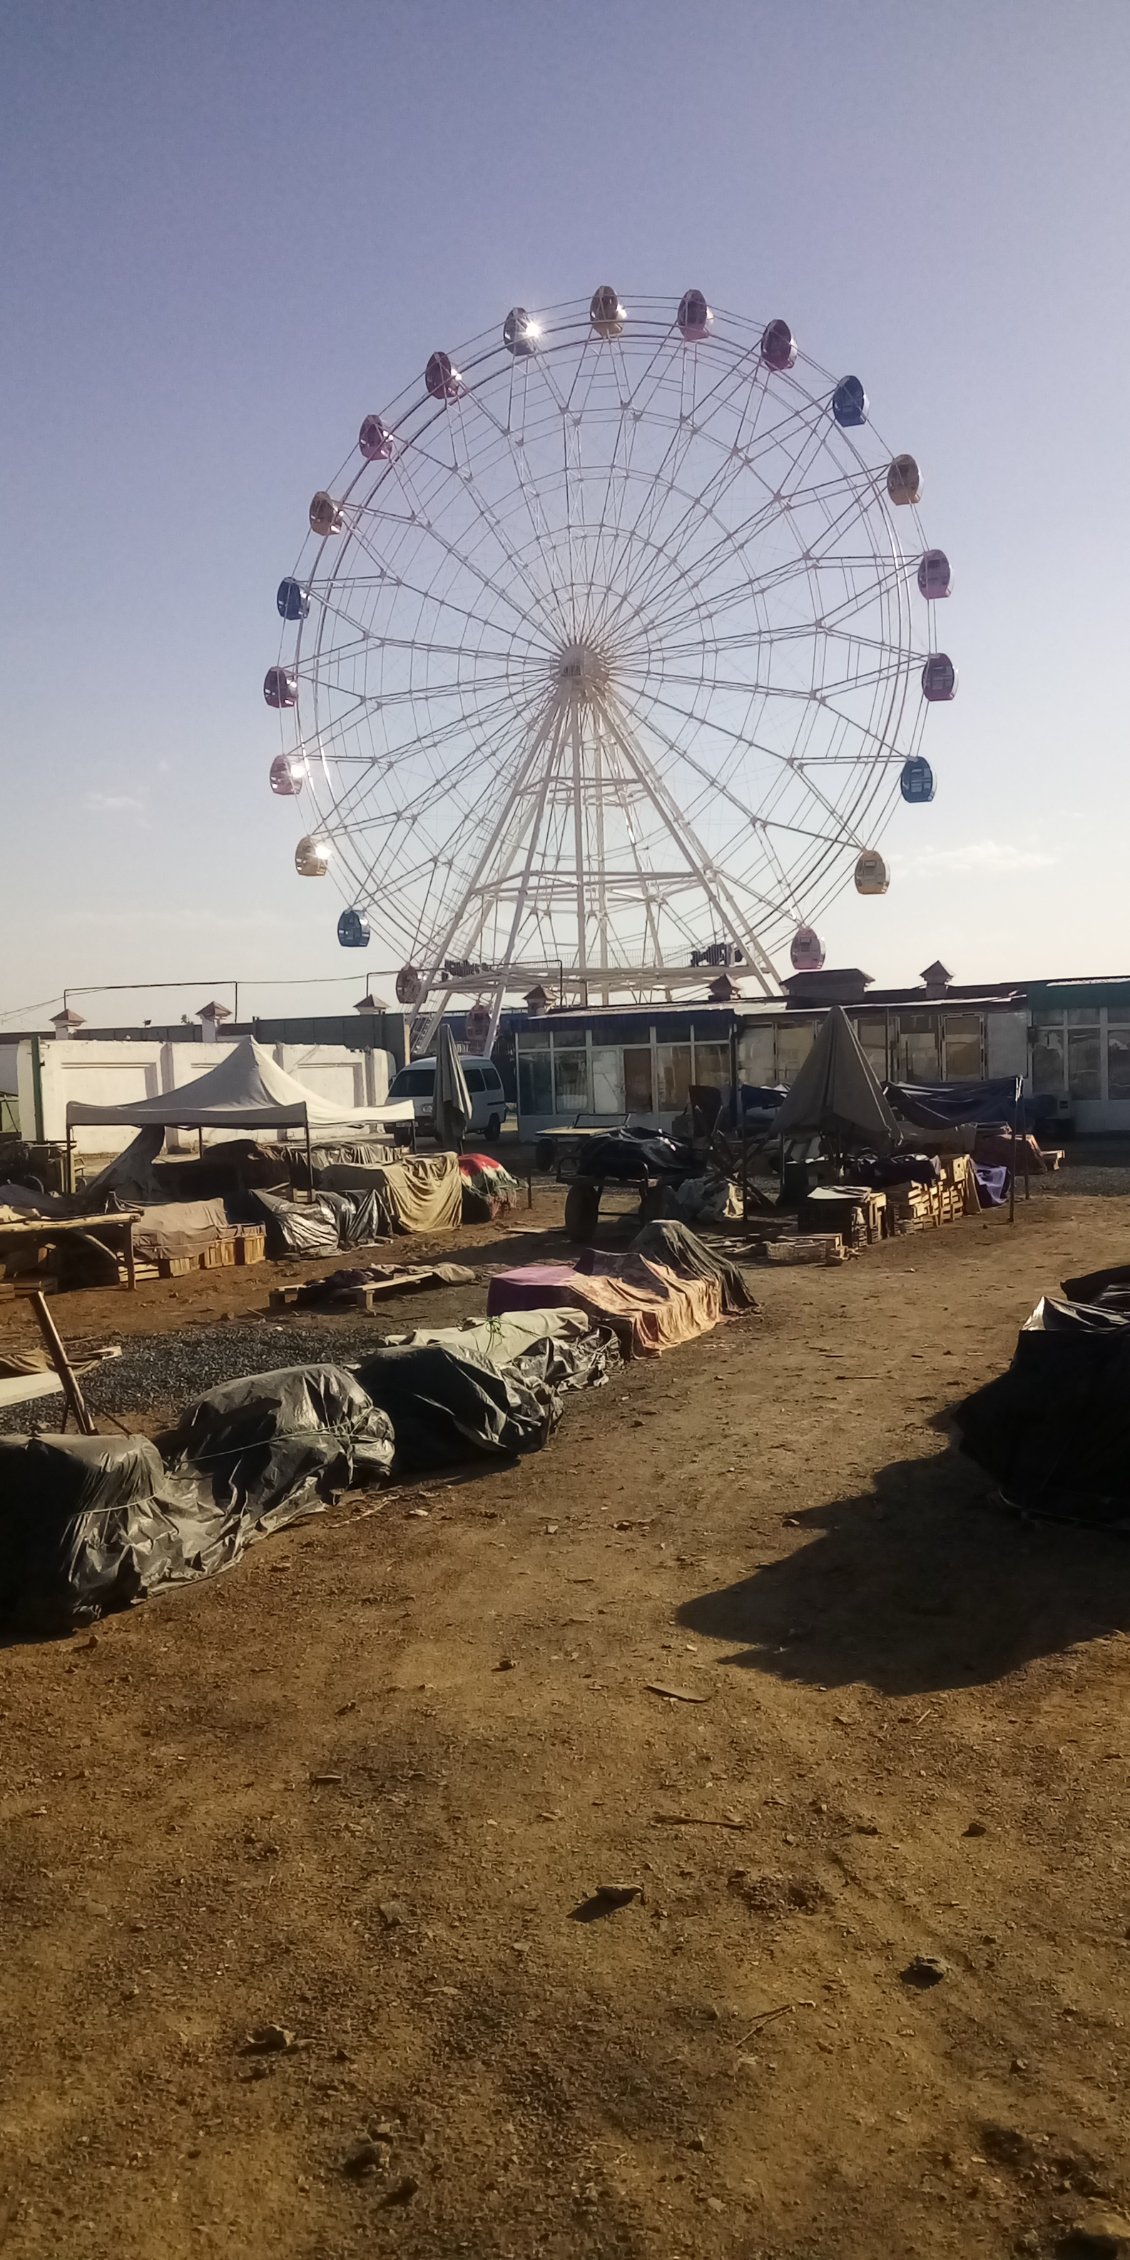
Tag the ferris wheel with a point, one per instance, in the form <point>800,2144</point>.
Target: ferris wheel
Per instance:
<point>607,657</point>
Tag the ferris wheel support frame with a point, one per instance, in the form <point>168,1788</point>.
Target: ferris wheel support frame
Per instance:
<point>561,727</point>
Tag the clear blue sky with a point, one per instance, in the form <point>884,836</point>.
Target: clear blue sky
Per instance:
<point>231,230</point>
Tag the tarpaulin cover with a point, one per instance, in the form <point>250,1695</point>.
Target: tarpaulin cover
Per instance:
<point>680,1250</point>
<point>299,1228</point>
<point>488,1189</point>
<point>649,1305</point>
<point>446,1402</point>
<point>90,1523</point>
<point>423,1193</point>
<point>180,1228</point>
<point>944,1106</point>
<point>1110,1287</point>
<point>500,1340</point>
<point>1054,1431</point>
<point>293,1437</point>
<point>837,1094</point>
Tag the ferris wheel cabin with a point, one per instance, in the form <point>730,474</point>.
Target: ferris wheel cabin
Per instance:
<point>939,678</point>
<point>325,515</point>
<point>904,480</point>
<point>871,874</point>
<point>353,930</point>
<point>849,403</point>
<point>519,333</point>
<point>374,441</point>
<point>442,379</point>
<point>806,950</point>
<point>605,312</point>
<point>778,346</point>
<point>292,600</point>
<point>694,317</point>
<point>312,858</point>
<point>280,687</point>
<point>934,575</point>
<point>288,775</point>
<point>916,781</point>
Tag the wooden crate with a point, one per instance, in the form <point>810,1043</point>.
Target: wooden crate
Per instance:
<point>176,1267</point>
<point>251,1245</point>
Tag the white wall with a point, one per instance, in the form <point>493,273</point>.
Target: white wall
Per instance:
<point>101,1073</point>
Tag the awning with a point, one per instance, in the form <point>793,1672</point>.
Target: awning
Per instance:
<point>246,1091</point>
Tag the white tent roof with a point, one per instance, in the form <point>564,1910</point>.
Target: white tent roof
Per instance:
<point>246,1091</point>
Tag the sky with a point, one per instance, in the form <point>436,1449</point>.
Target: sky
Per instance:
<point>231,231</point>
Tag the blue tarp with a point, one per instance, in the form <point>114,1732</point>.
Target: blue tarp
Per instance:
<point>942,1106</point>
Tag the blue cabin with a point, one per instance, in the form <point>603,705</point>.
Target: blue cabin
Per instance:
<point>916,782</point>
<point>293,600</point>
<point>849,402</point>
<point>353,930</point>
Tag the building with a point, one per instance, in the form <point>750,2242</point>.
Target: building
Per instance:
<point>1070,1039</point>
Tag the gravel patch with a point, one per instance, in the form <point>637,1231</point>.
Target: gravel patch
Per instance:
<point>159,1373</point>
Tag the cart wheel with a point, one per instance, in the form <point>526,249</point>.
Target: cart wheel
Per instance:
<point>582,1208</point>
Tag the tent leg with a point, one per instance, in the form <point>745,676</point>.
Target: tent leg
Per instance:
<point>309,1161</point>
<point>69,1164</point>
<point>1012,1172</point>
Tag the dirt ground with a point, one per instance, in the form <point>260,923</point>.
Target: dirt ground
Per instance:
<point>365,1788</point>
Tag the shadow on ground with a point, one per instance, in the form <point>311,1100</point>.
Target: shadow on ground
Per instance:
<point>920,1584</point>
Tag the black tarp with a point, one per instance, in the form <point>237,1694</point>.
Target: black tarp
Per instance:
<point>92,1523</point>
<point>945,1106</point>
<point>447,1403</point>
<point>320,1226</point>
<point>1054,1431</point>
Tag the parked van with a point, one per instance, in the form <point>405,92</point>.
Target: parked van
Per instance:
<point>489,1103</point>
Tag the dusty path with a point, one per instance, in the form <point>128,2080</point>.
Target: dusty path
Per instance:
<point>358,1788</point>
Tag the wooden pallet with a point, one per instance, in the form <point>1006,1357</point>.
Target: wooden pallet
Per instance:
<point>364,1297</point>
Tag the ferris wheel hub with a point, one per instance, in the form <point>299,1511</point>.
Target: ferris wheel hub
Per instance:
<point>582,670</point>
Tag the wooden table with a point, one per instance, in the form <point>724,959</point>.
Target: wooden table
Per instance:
<point>115,1232</point>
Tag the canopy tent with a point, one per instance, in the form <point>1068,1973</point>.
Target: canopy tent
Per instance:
<point>246,1091</point>
<point>946,1106</point>
<point>837,1093</point>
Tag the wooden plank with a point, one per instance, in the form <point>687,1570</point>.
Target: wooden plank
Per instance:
<point>58,1357</point>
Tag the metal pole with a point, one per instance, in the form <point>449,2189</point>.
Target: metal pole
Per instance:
<point>1012,1171</point>
<point>309,1157</point>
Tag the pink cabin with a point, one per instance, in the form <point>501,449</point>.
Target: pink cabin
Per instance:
<point>280,687</point>
<point>934,575</point>
<point>939,677</point>
<point>442,379</point>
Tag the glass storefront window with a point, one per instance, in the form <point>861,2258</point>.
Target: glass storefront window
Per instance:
<point>1084,1062</point>
<point>607,1079</point>
<point>1118,1062</point>
<point>535,1083</point>
<point>919,1048</point>
<point>712,1064</point>
<point>1048,1057</point>
<point>571,1082</point>
<point>673,1076</point>
<point>963,1047</point>
<point>638,1098</point>
<point>871,1030</point>
<point>795,1039</point>
<point>757,1054</point>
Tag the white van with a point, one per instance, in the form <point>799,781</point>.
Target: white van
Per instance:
<point>489,1103</point>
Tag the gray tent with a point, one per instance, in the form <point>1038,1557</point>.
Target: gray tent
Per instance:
<point>837,1094</point>
<point>453,1104</point>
